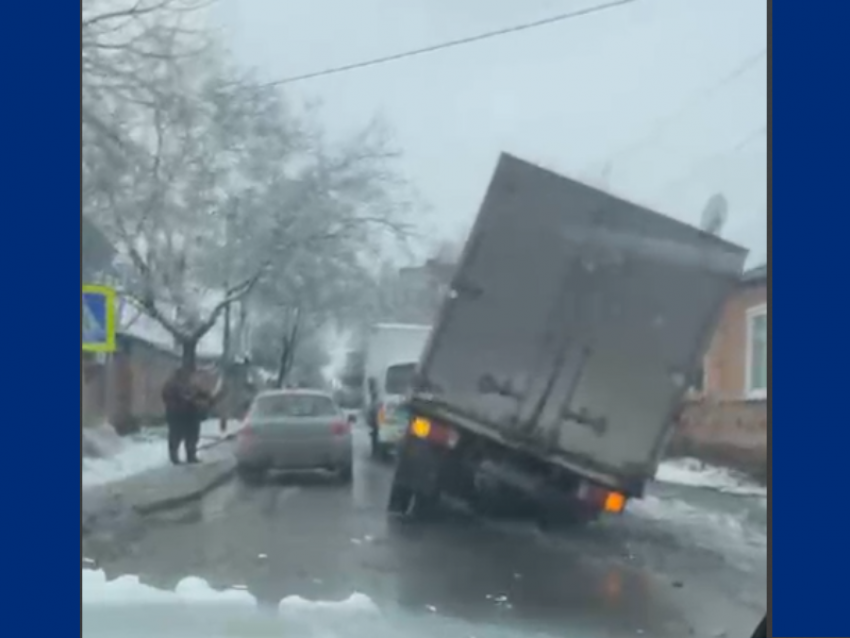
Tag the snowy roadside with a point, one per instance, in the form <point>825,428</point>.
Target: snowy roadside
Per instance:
<point>694,473</point>
<point>712,507</point>
<point>144,451</point>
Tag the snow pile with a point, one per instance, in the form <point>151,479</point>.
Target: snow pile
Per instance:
<point>101,441</point>
<point>695,473</point>
<point>142,452</point>
<point>98,590</point>
<point>128,608</point>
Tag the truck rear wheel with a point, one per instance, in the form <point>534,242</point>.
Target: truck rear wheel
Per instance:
<point>410,505</point>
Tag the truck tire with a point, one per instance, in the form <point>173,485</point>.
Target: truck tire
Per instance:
<point>411,506</point>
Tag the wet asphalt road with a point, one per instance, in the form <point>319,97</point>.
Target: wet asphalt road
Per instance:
<point>684,562</point>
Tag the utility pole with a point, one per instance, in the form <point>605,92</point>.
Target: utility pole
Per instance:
<point>224,412</point>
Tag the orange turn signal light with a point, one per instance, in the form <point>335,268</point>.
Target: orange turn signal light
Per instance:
<point>420,427</point>
<point>615,502</point>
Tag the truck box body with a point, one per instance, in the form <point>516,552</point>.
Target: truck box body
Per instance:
<point>574,325</point>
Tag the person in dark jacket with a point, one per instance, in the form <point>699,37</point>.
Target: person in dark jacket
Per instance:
<point>202,401</point>
<point>186,406</point>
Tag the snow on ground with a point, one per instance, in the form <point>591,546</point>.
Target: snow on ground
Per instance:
<point>706,526</point>
<point>143,451</point>
<point>98,590</point>
<point>128,608</point>
<point>695,473</point>
<point>712,507</point>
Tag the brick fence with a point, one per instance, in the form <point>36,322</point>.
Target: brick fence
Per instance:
<point>125,390</point>
<point>728,433</point>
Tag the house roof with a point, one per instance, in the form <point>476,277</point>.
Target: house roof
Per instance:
<point>134,322</point>
<point>755,275</point>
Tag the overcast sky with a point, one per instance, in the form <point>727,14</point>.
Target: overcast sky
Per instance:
<point>673,93</point>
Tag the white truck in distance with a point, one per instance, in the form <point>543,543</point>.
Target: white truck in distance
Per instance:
<point>392,354</point>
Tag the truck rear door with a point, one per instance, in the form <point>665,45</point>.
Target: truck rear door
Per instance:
<point>576,319</point>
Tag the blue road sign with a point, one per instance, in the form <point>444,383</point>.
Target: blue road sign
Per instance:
<point>98,319</point>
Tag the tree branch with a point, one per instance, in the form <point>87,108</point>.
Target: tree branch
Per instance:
<point>233,294</point>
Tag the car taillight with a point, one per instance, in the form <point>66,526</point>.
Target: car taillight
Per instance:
<point>340,428</point>
<point>245,432</point>
<point>423,428</point>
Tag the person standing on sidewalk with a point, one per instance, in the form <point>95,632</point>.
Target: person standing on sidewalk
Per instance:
<point>176,395</point>
<point>202,403</point>
<point>187,405</point>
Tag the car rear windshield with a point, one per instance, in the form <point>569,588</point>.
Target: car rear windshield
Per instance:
<point>294,405</point>
<point>399,378</point>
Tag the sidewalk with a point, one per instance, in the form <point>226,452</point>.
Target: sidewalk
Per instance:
<point>113,507</point>
<point>145,451</point>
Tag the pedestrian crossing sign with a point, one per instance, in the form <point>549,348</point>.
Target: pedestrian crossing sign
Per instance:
<point>98,319</point>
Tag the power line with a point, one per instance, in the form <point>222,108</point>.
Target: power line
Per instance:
<point>696,100</point>
<point>711,159</point>
<point>750,139</point>
<point>453,43</point>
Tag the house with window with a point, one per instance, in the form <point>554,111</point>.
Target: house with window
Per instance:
<point>735,368</point>
<point>725,420</point>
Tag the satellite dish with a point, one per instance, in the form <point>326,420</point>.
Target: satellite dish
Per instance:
<point>714,214</point>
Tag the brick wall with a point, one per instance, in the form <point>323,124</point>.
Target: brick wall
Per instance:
<point>92,391</point>
<point>126,389</point>
<point>728,433</point>
<point>141,372</point>
<point>720,424</point>
<point>725,364</point>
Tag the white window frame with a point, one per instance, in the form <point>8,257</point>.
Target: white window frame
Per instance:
<point>750,392</point>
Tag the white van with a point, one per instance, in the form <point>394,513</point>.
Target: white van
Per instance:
<point>392,356</point>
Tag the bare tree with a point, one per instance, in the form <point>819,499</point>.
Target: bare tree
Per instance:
<point>210,187</point>
<point>126,46</point>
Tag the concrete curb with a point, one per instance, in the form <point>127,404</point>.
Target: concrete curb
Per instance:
<point>172,502</point>
<point>107,507</point>
<point>218,441</point>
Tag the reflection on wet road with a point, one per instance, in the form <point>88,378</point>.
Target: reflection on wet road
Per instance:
<point>661,570</point>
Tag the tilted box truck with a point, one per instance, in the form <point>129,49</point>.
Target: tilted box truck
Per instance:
<point>574,325</point>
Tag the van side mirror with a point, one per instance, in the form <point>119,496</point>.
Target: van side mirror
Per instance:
<point>352,419</point>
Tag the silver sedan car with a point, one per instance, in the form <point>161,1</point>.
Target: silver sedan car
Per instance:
<point>294,430</point>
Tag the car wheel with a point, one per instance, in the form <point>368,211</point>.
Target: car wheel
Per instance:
<point>251,475</point>
<point>346,474</point>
